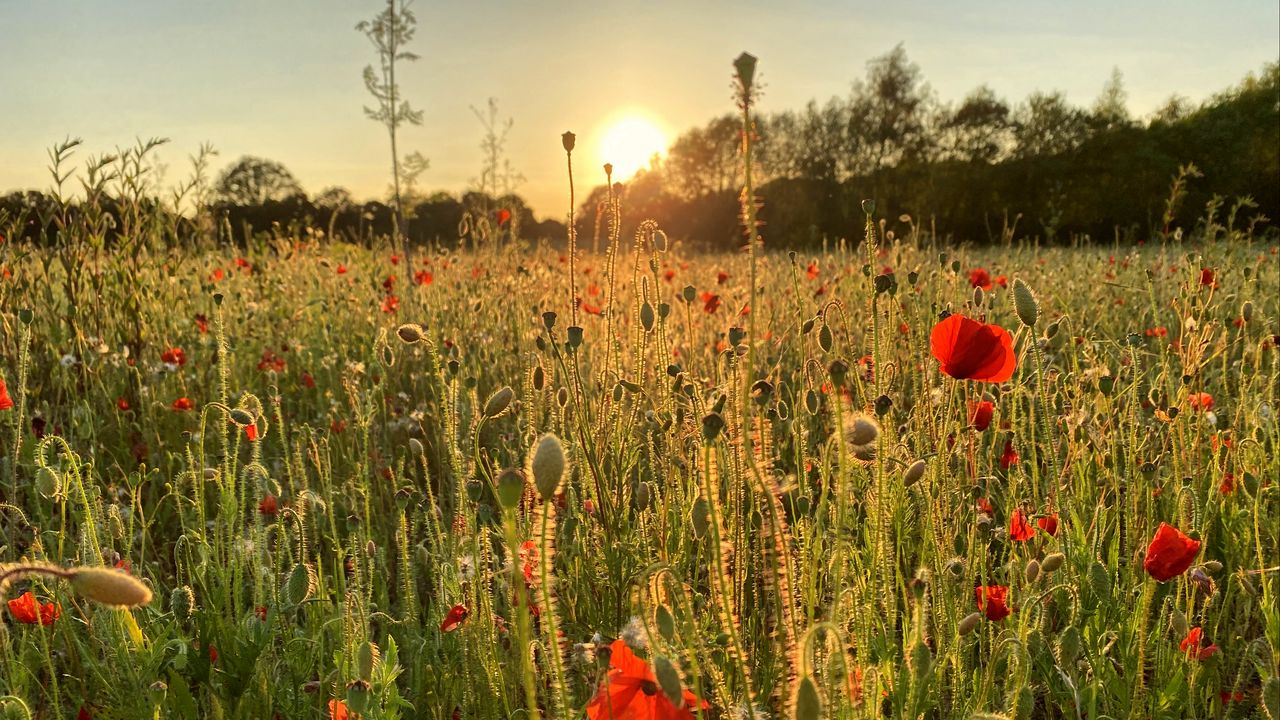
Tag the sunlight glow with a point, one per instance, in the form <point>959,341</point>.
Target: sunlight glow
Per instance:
<point>629,143</point>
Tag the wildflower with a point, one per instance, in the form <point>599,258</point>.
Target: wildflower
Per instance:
<point>68,360</point>
<point>1020,528</point>
<point>1208,278</point>
<point>26,609</point>
<point>980,414</point>
<point>1158,331</point>
<point>338,710</point>
<point>710,302</point>
<point>6,402</point>
<point>452,621</point>
<point>1200,401</point>
<point>261,612</point>
<point>182,404</point>
<point>1009,457</point>
<point>423,277</point>
<point>721,277</point>
<point>1002,281</point>
<point>1228,484</point>
<point>992,601</point>
<point>308,381</point>
<point>1194,647</point>
<point>174,357</point>
<point>1170,553</point>
<point>242,263</point>
<point>269,506</point>
<point>630,690</point>
<point>503,217</point>
<point>979,277</point>
<point>970,350</point>
<point>390,304</point>
<point>342,269</point>
<point>202,324</point>
<point>1049,524</point>
<point>217,274</point>
<point>812,271</point>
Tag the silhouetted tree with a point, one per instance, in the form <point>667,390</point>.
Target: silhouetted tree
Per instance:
<point>254,181</point>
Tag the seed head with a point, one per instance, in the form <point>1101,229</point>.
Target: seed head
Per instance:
<point>410,333</point>
<point>567,140</point>
<point>109,586</point>
<point>1024,303</point>
<point>745,66</point>
<point>547,464</point>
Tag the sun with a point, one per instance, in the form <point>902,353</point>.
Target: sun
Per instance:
<point>629,143</point>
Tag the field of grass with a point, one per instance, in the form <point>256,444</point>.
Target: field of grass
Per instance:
<point>329,464</point>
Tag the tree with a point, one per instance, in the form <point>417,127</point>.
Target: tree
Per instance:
<point>1047,125</point>
<point>1110,110</point>
<point>254,181</point>
<point>389,31</point>
<point>978,130</point>
<point>891,108</point>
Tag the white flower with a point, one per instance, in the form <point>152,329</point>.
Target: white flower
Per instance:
<point>1211,418</point>
<point>68,360</point>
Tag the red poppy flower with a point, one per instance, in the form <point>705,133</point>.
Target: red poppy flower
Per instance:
<point>1158,331</point>
<point>338,426</point>
<point>992,601</point>
<point>668,275</point>
<point>202,324</point>
<point>710,302</point>
<point>217,274</point>
<point>251,432</point>
<point>308,381</point>
<point>6,402</point>
<point>970,350</point>
<point>242,263</point>
<point>390,304</point>
<point>83,714</point>
<point>1049,524</point>
<point>721,277</point>
<point>984,504</point>
<point>338,710</point>
<point>1200,401</point>
<point>1020,528</point>
<point>122,404</point>
<point>1170,553</point>
<point>26,609</point>
<point>213,655</point>
<point>1009,457</point>
<point>261,612</point>
<point>423,277</point>
<point>1208,278</point>
<point>528,560</point>
<point>1194,647</point>
<point>269,506</point>
<point>395,259</point>
<point>812,271</point>
<point>342,269</point>
<point>174,356</point>
<point>182,404</point>
<point>389,283</point>
<point>979,277</point>
<point>630,692</point>
<point>1002,281</point>
<point>980,414</point>
<point>1230,697</point>
<point>504,216</point>
<point>457,615</point>
<point>1228,484</point>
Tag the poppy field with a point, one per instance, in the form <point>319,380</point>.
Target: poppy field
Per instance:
<point>889,479</point>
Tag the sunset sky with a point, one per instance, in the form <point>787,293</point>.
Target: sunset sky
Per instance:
<point>281,79</point>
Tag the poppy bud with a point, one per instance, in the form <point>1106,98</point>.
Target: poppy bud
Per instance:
<point>109,587</point>
<point>415,447</point>
<point>567,140</point>
<point>547,464</point>
<point>1178,623</point>
<point>1212,566</point>
<point>978,295</point>
<point>668,679</point>
<point>410,333</point>
<point>838,369</point>
<point>913,473</point>
<point>608,170</point>
<point>499,401</point>
<point>182,602</point>
<point>25,316</point>
<point>300,585</point>
<point>1024,303</point>
<point>1052,562</point>
<point>359,696</point>
<point>1246,311</point>
<point>824,338</point>
<point>666,623</point>
<point>761,391</point>
<point>861,430</point>
<point>646,317</point>
<point>368,657</point>
<point>968,623</point>
<point>47,482</point>
<point>158,690</point>
<point>241,417</point>
<point>807,703</point>
<point>562,397</point>
<point>700,518</point>
<point>539,378</point>
<point>1032,570</point>
<point>865,453</point>
<point>955,567</point>
<point>869,207</point>
<point>510,487</point>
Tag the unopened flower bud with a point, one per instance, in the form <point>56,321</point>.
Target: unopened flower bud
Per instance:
<point>109,586</point>
<point>1024,303</point>
<point>547,465</point>
<point>499,401</point>
<point>968,623</point>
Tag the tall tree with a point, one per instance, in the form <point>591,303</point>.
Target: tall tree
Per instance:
<point>254,181</point>
<point>389,31</point>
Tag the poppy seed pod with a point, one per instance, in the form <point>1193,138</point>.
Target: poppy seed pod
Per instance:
<point>1024,303</point>
<point>745,66</point>
<point>511,485</point>
<point>547,465</point>
<point>913,473</point>
<point>499,401</point>
<point>567,139</point>
<point>109,587</point>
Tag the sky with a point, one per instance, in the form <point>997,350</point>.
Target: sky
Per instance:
<point>281,79</point>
